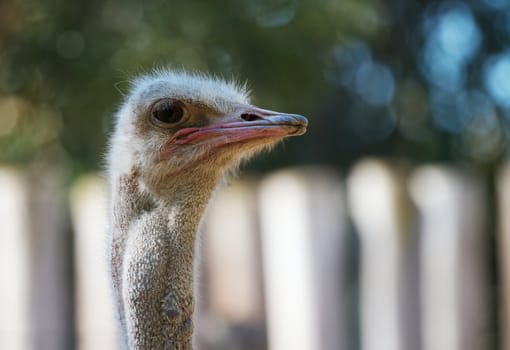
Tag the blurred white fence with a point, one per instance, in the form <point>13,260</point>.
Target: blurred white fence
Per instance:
<point>385,258</point>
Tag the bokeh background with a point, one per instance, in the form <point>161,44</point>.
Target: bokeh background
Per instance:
<point>420,88</point>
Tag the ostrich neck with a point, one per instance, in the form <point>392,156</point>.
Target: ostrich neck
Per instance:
<point>152,258</point>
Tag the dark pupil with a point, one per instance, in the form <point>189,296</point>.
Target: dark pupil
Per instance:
<point>168,113</point>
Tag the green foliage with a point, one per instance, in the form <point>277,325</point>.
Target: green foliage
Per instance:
<point>64,66</point>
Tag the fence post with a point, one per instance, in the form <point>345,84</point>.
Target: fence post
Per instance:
<point>232,296</point>
<point>94,308</point>
<point>14,262</point>
<point>36,280</point>
<point>302,219</point>
<point>454,295</point>
<point>503,186</point>
<point>51,275</point>
<point>383,216</point>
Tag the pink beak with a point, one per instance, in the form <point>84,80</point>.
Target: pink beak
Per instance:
<point>246,123</point>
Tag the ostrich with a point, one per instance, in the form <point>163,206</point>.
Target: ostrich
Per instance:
<point>176,137</point>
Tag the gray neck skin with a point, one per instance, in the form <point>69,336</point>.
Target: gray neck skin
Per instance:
<point>151,255</point>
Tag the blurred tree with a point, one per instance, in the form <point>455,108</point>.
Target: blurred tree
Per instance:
<point>427,80</point>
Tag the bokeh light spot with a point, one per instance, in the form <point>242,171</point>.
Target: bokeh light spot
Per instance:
<point>9,115</point>
<point>479,112</point>
<point>443,71</point>
<point>344,61</point>
<point>458,34</point>
<point>48,126</point>
<point>375,84</point>
<point>463,112</point>
<point>452,40</point>
<point>497,78</point>
<point>446,113</point>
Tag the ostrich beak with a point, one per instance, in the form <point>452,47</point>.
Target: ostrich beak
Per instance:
<point>245,124</point>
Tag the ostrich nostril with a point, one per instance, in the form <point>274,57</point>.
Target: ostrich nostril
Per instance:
<point>250,117</point>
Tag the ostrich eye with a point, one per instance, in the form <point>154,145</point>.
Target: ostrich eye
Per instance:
<point>167,112</point>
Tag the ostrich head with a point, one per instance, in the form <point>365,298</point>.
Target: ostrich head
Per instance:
<point>175,136</point>
<point>176,123</point>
